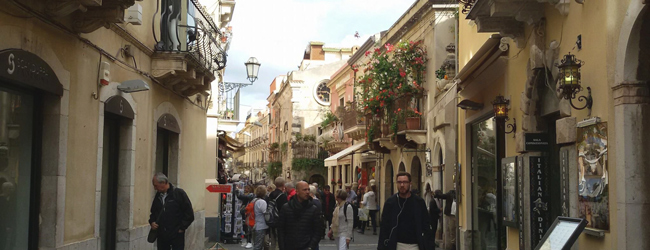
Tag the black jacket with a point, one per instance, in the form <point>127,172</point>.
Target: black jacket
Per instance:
<point>176,215</point>
<point>280,202</point>
<point>300,226</point>
<point>328,209</point>
<point>449,199</point>
<point>389,220</point>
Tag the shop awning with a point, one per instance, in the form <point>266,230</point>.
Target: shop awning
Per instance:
<point>485,56</point>
<point>332,160</point>
<point>230,143</point>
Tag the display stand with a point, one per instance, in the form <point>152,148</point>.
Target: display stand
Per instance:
<point>562,234</point>
<point>229,213</point>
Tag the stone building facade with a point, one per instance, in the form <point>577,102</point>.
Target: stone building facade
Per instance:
<point>297,105</point>
<point>92,105</point>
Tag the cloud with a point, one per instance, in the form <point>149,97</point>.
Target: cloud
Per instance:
<point>277,33</point>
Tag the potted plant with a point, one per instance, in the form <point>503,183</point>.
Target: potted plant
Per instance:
<point>328,119</point>
<point>412,119</point>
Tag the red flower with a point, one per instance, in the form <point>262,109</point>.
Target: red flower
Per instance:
<point>402,73</point>
<point>367,53</point>
<point>388,47</point>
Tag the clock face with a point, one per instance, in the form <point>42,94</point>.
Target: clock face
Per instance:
<point>322,94</point>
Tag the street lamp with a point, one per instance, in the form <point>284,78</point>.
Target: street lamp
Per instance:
<point>252,69</point>
<point>500,107</point>
<point>570,80</point>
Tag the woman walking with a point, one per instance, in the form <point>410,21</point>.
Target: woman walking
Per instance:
<point>260,227</point>
<point>370,202</point>
<point>246,196</point>
<point>342,222</point>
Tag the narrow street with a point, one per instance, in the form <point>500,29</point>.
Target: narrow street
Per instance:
<point>365,241</point>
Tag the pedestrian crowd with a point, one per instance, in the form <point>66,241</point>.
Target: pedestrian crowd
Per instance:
<point>284,216</point>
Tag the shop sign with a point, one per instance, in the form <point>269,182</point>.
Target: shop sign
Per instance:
<point>564,168</point>
<point>23,67</point>
<point>520,201</point>
<point>536,142</point>
<point>219,188</point>
<point>538,199</point>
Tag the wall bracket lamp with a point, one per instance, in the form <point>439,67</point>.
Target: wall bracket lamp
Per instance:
<point>500,106</point>
<point>570,80</point>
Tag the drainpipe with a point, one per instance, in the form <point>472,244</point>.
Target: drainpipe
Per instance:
<point>458,194</point>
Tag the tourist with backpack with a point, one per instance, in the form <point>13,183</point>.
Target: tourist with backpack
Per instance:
<point>255,219</point>
<point>276,200</point>
<point>246,196</point>
<point>342,222</point>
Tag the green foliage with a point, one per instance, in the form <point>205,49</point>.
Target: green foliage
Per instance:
<point>274,169</point>
<point>284,147</point>
<point>393,72</point>
<point>275,145</point>
<point>328,118</point>
<point>307,164</point>
<point>311,138</point>
<point>323,154</point>
<point>299,137</point>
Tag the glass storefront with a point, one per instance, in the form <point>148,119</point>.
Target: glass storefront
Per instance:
<point>16,119</point>
<point>484,188</point>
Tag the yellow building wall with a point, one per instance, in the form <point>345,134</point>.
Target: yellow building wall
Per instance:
<point>81,61</point>
<point>599,23</point>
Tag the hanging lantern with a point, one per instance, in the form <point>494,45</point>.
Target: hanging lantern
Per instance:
<point>570,75</point>
<point>570,80</point>
<point>500,106</point>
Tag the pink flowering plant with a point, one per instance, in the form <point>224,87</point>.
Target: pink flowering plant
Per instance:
<point>392,72</point>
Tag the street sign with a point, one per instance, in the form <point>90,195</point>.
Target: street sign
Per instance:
<point>536,142</point>
<point>219,188</point>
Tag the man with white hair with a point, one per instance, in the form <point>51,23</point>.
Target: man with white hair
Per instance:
<point>319,191</point>
<point>171,214</point>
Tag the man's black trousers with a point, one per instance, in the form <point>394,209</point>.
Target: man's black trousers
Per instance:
<point>176,243</point>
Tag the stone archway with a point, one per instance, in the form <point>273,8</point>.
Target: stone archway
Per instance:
<point>318,179</point>
<point>416,175</point>
<point>109,97</point>
<point>631,120</point>
<point>402,167</point>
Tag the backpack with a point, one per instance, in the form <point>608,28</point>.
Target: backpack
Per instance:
<point>272,212</point>
<point>250,213</point>
<point>355,212</point>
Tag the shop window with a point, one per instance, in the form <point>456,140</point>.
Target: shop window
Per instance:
<point>16,167</point>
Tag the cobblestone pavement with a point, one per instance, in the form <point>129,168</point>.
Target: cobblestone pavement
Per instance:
<point>365,241</point>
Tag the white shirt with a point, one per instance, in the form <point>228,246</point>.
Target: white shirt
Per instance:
<point>370,201</point>
<point>345,229</point>
<point>260,208</point>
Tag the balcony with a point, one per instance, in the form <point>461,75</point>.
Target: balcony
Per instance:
<point>354,124</point>
<point>508,17</point>
<point>304,149</point>
<point>411,132</point>
<point>88,15</point>
<point>190,50</point>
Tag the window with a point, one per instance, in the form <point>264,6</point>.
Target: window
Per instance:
<point>322,93</point>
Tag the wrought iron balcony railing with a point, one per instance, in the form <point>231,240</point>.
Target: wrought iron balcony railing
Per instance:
<point>195,34</point>
<point>352,117</point>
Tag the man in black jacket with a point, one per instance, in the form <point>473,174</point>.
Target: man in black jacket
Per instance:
<point>300,226</point>
<point>405,222</point>
<point>171,214</point>
<point>329,202</point>
<point>280,199</point>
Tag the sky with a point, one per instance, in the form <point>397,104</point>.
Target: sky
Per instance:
<point>277,32</point>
